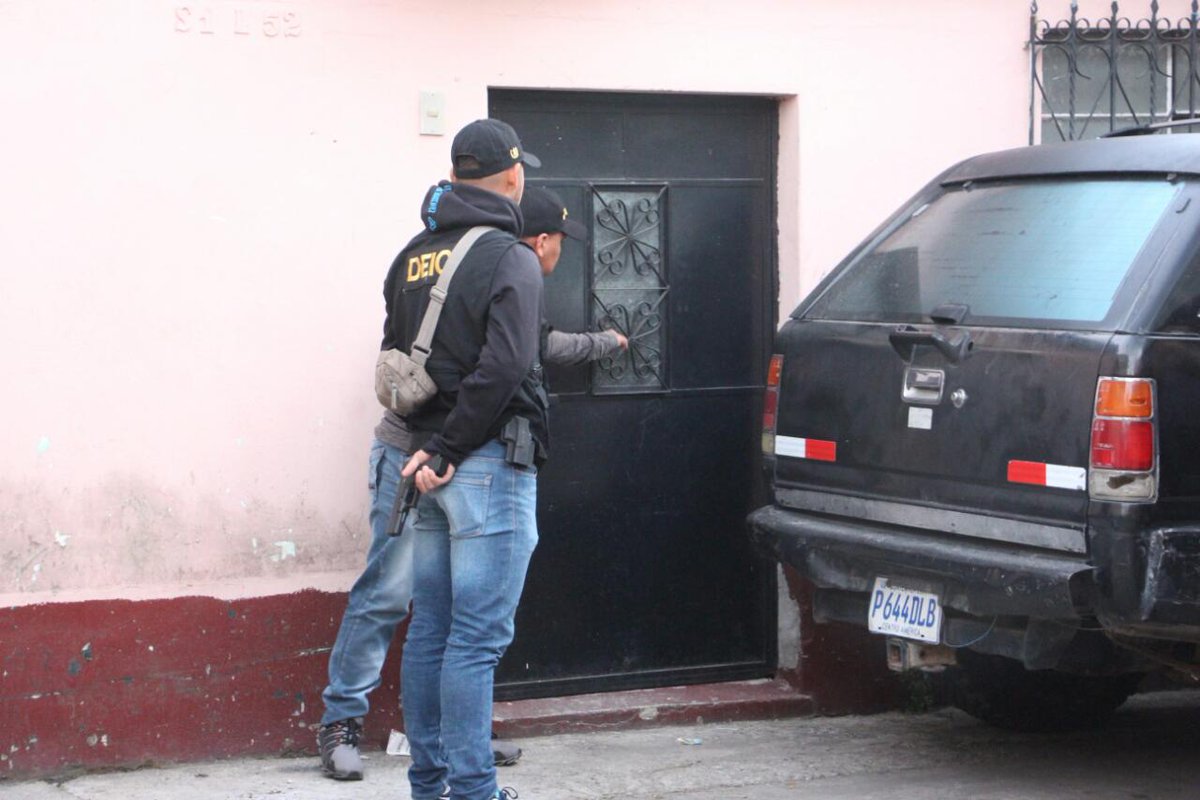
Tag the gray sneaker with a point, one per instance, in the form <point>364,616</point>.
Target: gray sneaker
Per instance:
<point>506,753</point>
<point>338,743</point>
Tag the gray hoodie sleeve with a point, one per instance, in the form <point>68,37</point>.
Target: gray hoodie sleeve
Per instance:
<point>578,348</point>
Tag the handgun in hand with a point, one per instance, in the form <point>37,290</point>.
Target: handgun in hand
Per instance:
<point>407,494</point>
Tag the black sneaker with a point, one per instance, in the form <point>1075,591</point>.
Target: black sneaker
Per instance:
<point>505,752</point>
<point>338,744</point>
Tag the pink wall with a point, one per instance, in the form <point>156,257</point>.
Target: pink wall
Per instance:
<point>200,201</point>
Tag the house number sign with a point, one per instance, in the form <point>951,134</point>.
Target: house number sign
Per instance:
<point>239,21</point>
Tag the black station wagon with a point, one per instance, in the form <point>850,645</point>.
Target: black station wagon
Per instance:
<point>984,429</point>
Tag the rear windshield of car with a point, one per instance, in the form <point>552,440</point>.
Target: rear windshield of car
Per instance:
<point>1015,254</point>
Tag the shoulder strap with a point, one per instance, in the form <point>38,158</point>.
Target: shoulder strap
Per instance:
<point>437,297</point>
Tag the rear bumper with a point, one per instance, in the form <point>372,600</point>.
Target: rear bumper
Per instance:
<point>979,578</point>
<point>1163,590</point>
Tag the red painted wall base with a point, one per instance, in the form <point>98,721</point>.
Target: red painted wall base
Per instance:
<point>120,683</point>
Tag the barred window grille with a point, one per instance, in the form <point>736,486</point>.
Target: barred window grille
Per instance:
<point>629,285</point>
<point>1091,76</point>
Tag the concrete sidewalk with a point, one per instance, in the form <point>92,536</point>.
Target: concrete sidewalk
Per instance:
<point>1150,751</point>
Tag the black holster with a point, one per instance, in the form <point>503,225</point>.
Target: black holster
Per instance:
<point>518,439</point>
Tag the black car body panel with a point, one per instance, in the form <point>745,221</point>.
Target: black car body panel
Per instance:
<point>1151,155</point>
<point>960,346</point>
<point>843,382</point>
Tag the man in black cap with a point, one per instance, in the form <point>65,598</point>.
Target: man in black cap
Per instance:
<point>547,223</point>
<point>463,553</point>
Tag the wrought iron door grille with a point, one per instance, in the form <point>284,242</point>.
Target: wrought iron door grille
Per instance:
<point>629,285</point>
<point>1094,76</point>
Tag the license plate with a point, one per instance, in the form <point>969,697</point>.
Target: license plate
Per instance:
<point>908,613</point>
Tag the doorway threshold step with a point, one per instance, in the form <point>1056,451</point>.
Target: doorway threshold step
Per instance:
<point>673,705</point>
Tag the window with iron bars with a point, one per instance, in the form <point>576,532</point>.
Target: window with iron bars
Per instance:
<point>1091,76</point>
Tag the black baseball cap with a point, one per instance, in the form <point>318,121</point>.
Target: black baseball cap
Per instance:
<point>492,145</point>
<point>545,212</point>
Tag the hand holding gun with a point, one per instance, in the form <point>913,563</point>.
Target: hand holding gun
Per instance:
<point>407,495</point>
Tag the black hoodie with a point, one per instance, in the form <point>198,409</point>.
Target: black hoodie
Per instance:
<point>484,356</point>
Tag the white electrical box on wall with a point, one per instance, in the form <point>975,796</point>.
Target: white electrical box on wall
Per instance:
<point>433,112</point>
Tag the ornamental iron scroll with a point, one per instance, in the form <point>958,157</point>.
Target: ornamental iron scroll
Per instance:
<point>1092,76</point>
<point>629,286</point>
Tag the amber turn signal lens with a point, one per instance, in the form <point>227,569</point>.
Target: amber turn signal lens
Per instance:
<point>1124,398</point>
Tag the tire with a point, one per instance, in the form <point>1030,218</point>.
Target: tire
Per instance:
<point>1001,692</point>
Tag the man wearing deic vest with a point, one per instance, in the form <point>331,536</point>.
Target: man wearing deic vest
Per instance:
<point>474,528</point>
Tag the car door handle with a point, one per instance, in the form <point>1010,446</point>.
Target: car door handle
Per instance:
<point>906,337</point>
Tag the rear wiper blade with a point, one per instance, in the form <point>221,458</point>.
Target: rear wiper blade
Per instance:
<point>950,313</point>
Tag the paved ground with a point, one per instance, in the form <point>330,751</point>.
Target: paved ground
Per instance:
<point>1151,751</point>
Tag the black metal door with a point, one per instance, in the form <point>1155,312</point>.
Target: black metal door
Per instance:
<point>644,575</point>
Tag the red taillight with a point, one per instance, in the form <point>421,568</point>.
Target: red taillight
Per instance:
<point>775,370</point>
<point>1123,463</point>
<point>1122,444</point>
<point>771,404</point>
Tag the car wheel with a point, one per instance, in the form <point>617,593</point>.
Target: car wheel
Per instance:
<point>1001,692</point>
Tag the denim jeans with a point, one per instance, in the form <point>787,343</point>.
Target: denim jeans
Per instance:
<point>378,601</point>
<point>473,539</point>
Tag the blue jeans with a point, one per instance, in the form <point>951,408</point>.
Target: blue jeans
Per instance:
<point>379,600</point>
<point>473,540</point>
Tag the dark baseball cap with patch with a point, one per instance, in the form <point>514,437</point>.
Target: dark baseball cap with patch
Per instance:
<point>545,212</point>
<point>488,146</point>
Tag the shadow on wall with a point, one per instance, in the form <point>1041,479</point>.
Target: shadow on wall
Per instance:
<point>843,668</point>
